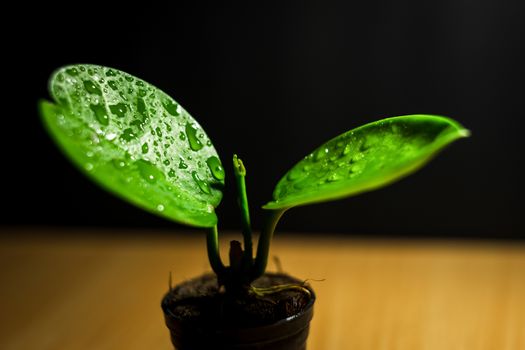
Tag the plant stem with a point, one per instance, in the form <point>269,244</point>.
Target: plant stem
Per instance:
<point>240,174</point>
<point>263,246</point>
<point>214,256</point>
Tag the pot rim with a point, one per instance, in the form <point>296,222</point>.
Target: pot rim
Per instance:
<point>306,314</point>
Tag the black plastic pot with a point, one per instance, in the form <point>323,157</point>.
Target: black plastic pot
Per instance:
<point>286,334</point>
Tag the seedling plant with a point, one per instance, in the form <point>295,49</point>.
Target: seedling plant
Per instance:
<point>140,144</point>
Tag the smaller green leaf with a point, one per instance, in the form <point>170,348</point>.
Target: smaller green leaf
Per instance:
<point>364,159</point>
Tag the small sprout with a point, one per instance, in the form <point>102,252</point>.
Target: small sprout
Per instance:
<point>132,154</point>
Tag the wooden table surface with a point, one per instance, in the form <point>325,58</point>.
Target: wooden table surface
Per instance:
<point>80,290</point>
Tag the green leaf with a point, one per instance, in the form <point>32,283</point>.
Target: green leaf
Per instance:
<point>136,142</point>
<point>364,159</point>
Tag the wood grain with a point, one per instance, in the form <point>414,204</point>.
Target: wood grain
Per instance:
<point>87,290</point>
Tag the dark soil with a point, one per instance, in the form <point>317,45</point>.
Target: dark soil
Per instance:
<point>201,301</point>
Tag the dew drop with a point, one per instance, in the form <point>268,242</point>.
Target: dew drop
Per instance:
<point>191,132</point>
<point>160,207</point>
<point>128,78</point>
<point>119,110</point>
<point>333,177</point>
<point>299,185</point>
<point>364,147</point>
<point>88,166</point>
<point>149,172</point>
<point>119,163</point>
<point>170,107</point>
<point>166,162</point>
<point>145,148</point>
<point>100,114</point>
<point>141,107</point>
<point>159,132</point>
<point>202,184</point>
<point>72,72</point>
<point>171,173</point>
<point>92,88</point>
<point>294,174</point>
<point>321,153</point>
<point>216,168</point>
<point>182,136</point>
<point>182,164</point>
<point>110,73</point>
<point>128,135</point>
<point>113,85</point>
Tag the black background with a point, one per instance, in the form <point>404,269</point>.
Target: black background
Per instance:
<point>271,82</point>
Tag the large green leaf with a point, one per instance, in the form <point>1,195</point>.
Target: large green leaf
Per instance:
<point>135,141</point>
<point>366,158</point>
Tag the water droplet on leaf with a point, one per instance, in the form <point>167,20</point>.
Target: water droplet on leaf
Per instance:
<point>119,110</point>
<point>216,168</point>
<point>170,107</point>
<point>182,164</point>
<point>149,172</point>
<point>295,174</point>
<point>119,163</point>
<point>100,114</point>
<point>92,88</point>
<point>333,177</point>
<point>203,185</point>
<point>321,154</point>
<point>72,71</point>
<point>141,107</point>
<point>191,132</point>
<point>128,135</point>
<point>113,85</point>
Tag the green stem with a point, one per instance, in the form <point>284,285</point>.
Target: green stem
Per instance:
<point>263,246</point>
<point>214,256</point>
<point>240,174</point>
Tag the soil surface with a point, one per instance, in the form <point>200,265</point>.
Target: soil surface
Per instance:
<point>200,300</point>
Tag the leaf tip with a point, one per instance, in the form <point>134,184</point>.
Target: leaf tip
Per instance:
<point>464,132</point>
